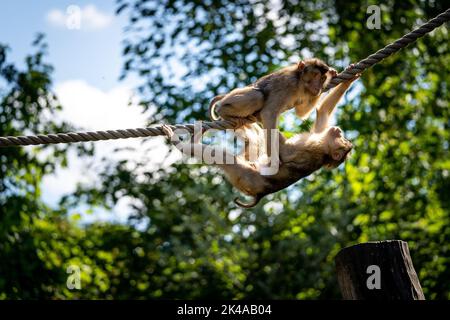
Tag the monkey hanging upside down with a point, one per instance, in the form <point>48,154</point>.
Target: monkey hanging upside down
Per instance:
<point>301,155</point>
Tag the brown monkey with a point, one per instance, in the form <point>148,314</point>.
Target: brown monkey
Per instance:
<point>297,86</point>
<point>301,155</point>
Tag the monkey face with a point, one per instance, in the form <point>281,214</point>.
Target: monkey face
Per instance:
<point>338,146</point>
<point>315,80</point>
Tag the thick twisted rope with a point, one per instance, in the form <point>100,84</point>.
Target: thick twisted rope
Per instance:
<point>113,134</point>
<point>221,125</point>
<point>390,49</point>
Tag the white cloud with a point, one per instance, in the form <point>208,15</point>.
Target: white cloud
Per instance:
<point>74,17</point>
<point>90,108</point>
<point>94,18</point>
<point>94,109</point>
<point>56,17</point>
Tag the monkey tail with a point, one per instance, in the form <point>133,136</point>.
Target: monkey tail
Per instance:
<point>212,107</point>
<point>250,204</point>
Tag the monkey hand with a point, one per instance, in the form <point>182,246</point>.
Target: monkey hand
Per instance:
<point>332,72</point>
<point>350,66</point>
<point>356,76</point>
<point>168,132</point>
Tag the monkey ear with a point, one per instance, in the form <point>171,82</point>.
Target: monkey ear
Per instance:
<point>301,65</point>
<point>336,155</point>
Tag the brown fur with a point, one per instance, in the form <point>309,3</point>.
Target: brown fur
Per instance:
<point>297,86</point>
<point>300,156</point>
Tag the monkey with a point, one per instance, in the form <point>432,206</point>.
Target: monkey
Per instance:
<point>297,86</point>
<point>301,155</point>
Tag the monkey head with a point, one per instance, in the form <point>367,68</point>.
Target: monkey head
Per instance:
<point>315,75</point>
<point>338,147</point>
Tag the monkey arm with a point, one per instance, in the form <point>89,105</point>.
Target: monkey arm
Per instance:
<point>327,105</point>
<point>205,153</point>
<point>273,107</point>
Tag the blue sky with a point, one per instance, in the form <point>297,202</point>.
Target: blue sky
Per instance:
<point>93,55</point>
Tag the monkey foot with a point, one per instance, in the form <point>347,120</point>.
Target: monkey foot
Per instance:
<point>252,118</point>
<point>167,130</point>
<point>239,122</point>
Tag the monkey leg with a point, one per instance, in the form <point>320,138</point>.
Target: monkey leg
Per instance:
<point>247,180</point>
<point>269,120</point>
<point>245,177</point>
<point>240,103</point>
<point>252,136</point>
<point>242,174</point>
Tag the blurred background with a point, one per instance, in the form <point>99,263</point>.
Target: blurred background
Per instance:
<point>140,224</point>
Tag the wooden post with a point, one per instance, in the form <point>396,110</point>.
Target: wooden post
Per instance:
<point>378,271</point>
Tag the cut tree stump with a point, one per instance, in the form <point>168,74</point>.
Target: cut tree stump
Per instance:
<point>378,271</point>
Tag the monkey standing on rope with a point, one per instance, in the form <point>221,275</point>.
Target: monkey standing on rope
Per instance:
<point>301,155</point>
<point>297,86</point>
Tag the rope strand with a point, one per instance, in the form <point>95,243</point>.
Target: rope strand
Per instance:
<point>390,49</point>
<point>359,67</point>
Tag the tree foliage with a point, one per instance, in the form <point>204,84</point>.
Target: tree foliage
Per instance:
<point>27,105</point>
